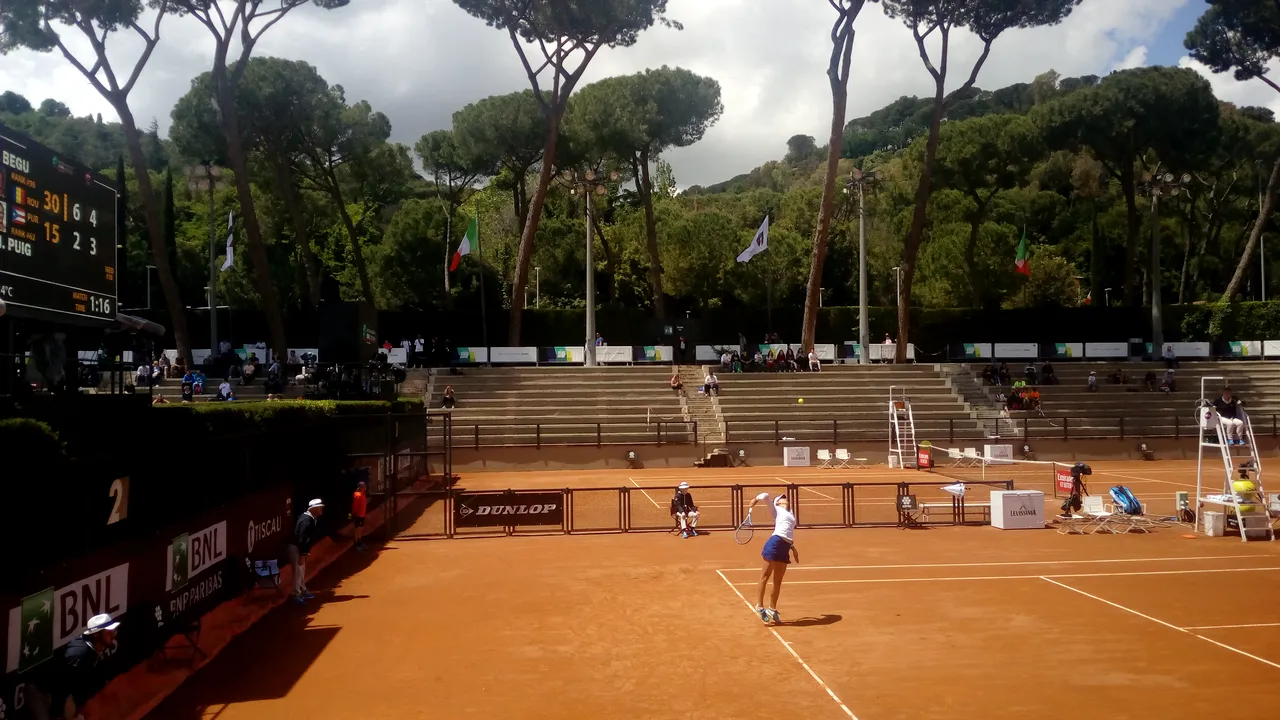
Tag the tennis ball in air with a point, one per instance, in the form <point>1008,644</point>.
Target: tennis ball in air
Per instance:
<point>800,401</point>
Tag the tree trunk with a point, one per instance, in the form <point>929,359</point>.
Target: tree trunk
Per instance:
<point>525,253</point>
<point>249,214</point>
<point>155,233</point>
<point>971,261</point>
<point>1097,291</point>
<point>1132,288</point>
<point>1187,246</point>
<point>357,254</point>
<point>521,205</point>
<point>1259,226</point>
<point>301,236</point>
<point>645,187</point>
<point>838,78</point>
<point>916,235</point>
<point>610,261</point>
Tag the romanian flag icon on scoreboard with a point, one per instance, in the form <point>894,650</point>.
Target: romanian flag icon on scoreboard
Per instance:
<point>19,196</point>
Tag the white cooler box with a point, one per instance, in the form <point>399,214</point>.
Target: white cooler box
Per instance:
<point>1017,509</point>
<point>1215,523</point>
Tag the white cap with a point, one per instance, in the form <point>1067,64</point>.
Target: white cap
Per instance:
<point>315,503</point>
<point>684,486</point>
<point>100,622</point>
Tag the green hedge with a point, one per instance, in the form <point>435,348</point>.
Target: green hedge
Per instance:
<point>27,442</point>
<point>239,417</point>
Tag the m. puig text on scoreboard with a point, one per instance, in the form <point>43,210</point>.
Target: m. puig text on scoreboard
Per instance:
<point>15,245</point>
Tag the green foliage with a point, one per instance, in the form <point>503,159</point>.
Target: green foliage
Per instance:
<point>29,444</point>
<point>238,418</point>
<point>584,22</point>
<point>1239,35</point>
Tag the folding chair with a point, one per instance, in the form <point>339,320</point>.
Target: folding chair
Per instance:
<point>825,457</point>
<point>845,459</point>
<point>1093,517</point>
<point>956,458</point>
<point>971,457</point>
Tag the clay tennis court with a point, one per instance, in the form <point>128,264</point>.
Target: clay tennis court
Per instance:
<point>877,623</point>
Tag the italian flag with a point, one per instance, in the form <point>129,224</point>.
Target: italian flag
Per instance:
<point>1020,263</point>
<point>464,248</point>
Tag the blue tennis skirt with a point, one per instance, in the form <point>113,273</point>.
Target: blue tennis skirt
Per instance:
<point>776,549</point>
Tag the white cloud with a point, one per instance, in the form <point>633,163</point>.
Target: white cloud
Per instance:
<point>1241,93</point>
<point>419,60</point>
<point>1136,58</point>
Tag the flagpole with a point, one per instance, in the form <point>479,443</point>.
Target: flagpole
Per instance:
<point>484,317</point>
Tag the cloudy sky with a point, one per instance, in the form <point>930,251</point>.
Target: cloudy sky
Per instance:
<point>419,60</point>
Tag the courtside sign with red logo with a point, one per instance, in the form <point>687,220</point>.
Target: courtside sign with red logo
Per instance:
<point>1062,480</point>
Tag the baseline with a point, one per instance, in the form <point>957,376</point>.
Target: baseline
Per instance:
<point>974,578</point>
<point>1010,563</point>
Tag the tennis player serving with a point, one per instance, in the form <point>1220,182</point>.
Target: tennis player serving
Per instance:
<point>778,551</point>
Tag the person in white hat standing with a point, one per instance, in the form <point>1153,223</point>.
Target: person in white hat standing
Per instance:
<point>685,510</point>
<point>304,535</point>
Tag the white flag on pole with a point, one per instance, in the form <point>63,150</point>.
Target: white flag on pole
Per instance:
<point>759,244</point>
<point>231,234</point>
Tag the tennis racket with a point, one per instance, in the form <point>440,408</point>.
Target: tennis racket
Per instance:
<point>745,531</point>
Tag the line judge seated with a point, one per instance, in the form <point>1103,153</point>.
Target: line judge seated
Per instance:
<point>685,511</point>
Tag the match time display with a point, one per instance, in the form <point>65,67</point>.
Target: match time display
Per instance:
<point>57,233</point>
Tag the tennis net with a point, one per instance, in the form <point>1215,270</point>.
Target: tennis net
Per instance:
<point>1043,475</point>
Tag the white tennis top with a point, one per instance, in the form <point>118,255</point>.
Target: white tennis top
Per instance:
<point>784,523</point>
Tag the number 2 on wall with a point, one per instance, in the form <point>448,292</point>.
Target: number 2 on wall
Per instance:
<point>119,491</point>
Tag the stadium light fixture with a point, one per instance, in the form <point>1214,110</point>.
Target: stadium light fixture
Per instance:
<point>861,182</point>
<point>1158,186</point>
<point>585,184</point>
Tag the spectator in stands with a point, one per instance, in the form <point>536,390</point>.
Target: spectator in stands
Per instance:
<point>225,392</point>
<point>359,506</point>
<point>1169,383</point>
<point>164,365</point>
<point>447,400</point>
<point>789,360</point>
<point>685,511</point>
<point>157,374</point>
<point>1003,373</point>
<point>1033,399</point>
<point>304,535</point>
<point>711,384</point>
<point>1118,377</point>
<point>1170,359</point>
<point>274,385</point>
<point>815,365</point>
<point>682,351</point>
<point>1093,381</point>
<point>676,385</point>
<point>726,362</point>
<point>989,375</point>
<point>188,389</point>
<point>419,349</point>
<point>757,361</point>
<point>1047,377</point>
<point>1231,417</point>
<point>82,669</point>
<point>1029,372</point>
<point>1150,381</point>
<point>249,370</point>
<point>600,340</point>
<point>143,377</point>
<point>887,340</point>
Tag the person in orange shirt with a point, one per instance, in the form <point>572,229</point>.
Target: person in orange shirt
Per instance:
<point>359,504</point>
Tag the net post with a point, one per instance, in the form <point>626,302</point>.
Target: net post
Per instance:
<point>566,517</point>
<point>624,508</point>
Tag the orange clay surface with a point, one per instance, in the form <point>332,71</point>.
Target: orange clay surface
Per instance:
<point>878,624</point>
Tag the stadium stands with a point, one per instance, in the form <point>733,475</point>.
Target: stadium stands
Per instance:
<point>843,402</point>
<point>1131,409</point>
<point>563,406</point>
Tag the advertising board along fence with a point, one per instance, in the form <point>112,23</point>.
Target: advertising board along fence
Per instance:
<point>457,512</point>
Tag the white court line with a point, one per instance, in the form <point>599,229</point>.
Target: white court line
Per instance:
<point>1161,622</point>
<point>794,654</point>
<point>1006,564</point>
<point>1227,627</point>
<point>802,487</point>
<point>646,494</point>
<point>868,581</point>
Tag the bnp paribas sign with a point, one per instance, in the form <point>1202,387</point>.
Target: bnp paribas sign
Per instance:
<point>49,619</point>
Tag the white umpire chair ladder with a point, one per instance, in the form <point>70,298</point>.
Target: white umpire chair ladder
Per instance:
<point>902,429</point>
<point>1239,462</point>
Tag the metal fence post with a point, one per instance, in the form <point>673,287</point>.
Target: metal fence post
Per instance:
<point>476,428</point>
<point>537,430</point>
<point>597,435</point>
<point>1122,427</point>
<point>776,437</point>
<point>835,431</point>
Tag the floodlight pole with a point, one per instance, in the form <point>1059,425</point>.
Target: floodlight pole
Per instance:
<point>1159,185</point>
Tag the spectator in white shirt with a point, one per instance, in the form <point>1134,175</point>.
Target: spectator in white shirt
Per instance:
<point>710,384</point>
<point>814,364</point>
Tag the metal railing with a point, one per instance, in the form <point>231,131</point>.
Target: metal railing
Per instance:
<point>598,434</point>
<point>450,513</point>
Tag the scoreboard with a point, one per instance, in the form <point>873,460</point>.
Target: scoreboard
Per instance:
<point>57,234</point>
